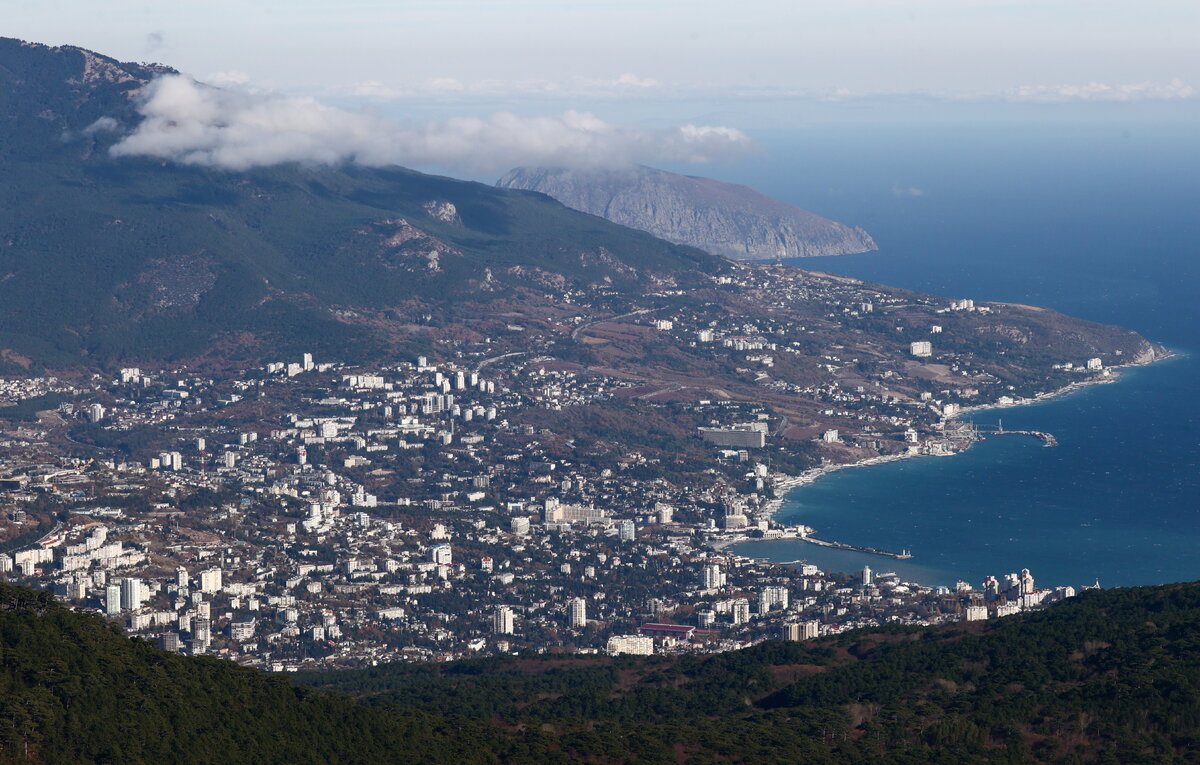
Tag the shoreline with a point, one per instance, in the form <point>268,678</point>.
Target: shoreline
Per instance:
<point>785,484</point>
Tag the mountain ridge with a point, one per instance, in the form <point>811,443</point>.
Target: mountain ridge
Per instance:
<point>722,218</point>
<point>107,259</point>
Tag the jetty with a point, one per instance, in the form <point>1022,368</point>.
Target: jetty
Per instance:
<point>902,555</point>
<point>1047,439</point>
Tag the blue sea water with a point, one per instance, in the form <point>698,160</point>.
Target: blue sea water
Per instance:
<point>1100,221</point>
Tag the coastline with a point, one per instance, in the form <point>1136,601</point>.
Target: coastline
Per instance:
<point>785,483</point>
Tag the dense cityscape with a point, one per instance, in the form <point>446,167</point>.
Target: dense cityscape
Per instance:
<point>308,514</point>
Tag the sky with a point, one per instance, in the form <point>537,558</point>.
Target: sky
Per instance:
<point>658,66</point>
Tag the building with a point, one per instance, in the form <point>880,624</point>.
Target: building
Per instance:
<point>112,600</point>
<point>637,645</point>
<point>243,630</point>
<point>627,531</point>
<point>772,597</point>
<point>132,595</point>
<point>830,437</point>
<point>867,576</point>
<point>740,611</point>
<point>975,613</point>
<point>751,435</point>
<point>714,577</point>
<point>556,513</point>
<point>801,630</point>
<point>503,621</point>
<point>519,526</point>
<point>577,612</point>
<point>202,629</point>
<point>441,555</point>
<point>210,580</point>
<point>921,348</point>
<point>706,618</point>
<point>674,631</point>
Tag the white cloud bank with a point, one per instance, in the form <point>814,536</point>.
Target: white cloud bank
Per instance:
<point>192,123</point>
<point>1174,90</point>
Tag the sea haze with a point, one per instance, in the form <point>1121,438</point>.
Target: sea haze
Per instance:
<point>1098,221</point>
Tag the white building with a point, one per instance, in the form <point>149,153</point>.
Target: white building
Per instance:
<point>577,613</point>
<point>801,630</point>
<point>714,577</point>
<point>210,580</point>
<point>503,621</point>
<point>112,599</point>
<point>627,531</point>
<point>637,645</point>
<point>772,597</point>
<point>921,348</point>
<point>441,555</point>
<point>740,611</point>
<point>132,594</point>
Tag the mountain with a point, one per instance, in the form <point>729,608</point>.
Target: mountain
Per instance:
<point>106,259</point>
<point>721,218</point>
<point>1108,676</point>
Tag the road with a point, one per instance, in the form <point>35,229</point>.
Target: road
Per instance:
<point>576,332</point>
<point>493,359</point>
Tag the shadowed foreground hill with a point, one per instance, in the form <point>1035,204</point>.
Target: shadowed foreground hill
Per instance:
<point>1107,677</point>
<point>74,689</point>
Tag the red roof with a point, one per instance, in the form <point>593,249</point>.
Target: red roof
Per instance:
<point>679,629</point>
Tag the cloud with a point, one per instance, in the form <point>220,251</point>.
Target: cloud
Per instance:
<point>632,80</point>
<point>230,77</point>
<point>1176,89</point>
<point>154,42</point>
<point>102,125</point>
<point>192,123</point>
<point>907,191</point>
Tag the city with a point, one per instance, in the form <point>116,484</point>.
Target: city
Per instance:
<point>310,514</point>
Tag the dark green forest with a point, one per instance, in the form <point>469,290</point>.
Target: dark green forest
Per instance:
<point>1107,677</point>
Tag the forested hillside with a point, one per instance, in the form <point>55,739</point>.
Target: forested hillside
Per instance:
<point>110,259</point>
<point>1110,676</point>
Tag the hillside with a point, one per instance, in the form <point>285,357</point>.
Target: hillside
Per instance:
<point>1110,676</point>
<point>721,218</point>
<point>105,259</point>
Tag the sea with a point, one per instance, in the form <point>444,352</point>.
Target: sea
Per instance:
<point>1099,220</point>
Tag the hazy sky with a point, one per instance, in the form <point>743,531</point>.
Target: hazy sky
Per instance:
<point>477,85</point>
<point>563,49</point>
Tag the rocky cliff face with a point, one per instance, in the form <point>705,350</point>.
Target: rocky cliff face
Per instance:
<point>722,218</point>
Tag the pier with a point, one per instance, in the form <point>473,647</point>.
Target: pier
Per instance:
<point>1047,439</point>
<point>902,555</point>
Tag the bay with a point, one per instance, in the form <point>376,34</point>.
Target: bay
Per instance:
<point>1095,220</point>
